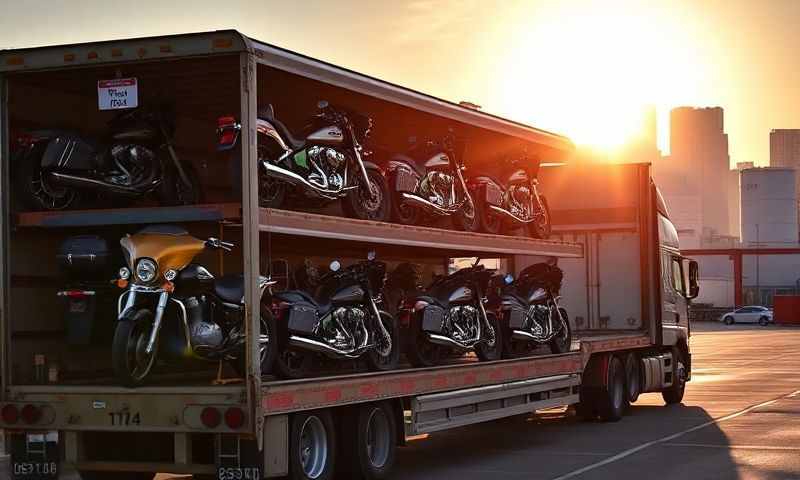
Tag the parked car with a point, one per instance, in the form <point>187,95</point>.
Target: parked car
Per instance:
<point>750,314</point>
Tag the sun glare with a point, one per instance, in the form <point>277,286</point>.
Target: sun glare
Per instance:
<point>592,75</point>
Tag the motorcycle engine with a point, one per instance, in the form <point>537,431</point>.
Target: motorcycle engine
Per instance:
<point>437,188</point>
<point>130,163</point>
<point>325,163</point>
<point>462,323</point>
<point>537,318</point>
<point>346,328</point>
<point>519,201</point>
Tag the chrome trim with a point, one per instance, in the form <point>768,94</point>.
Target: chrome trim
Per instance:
<point>320,347</point>
<point>295,179</point>
<point>447,341</point>
<point>162,305</point>
<point>185,319</point>
<point>265,128</point>
<point>503,211</point>
<point>429,206</point>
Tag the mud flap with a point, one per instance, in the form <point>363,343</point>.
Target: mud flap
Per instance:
<point>34,456</point>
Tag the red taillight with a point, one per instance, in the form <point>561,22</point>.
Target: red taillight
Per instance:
<point>210,417</point>
<point>228,131</point>
<point>10,414</point>
<point>227,136</point>
<point>227,121</point>
<point>30,414</point>
<point>234,418</point>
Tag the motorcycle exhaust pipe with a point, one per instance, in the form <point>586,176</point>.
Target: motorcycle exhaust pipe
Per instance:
<point>295,179</point>
<point>508,214</point>
<point>526,336</point>
<point>320,347</point>
<point>429,206</point>
<point>75,181</point>
<point>447,342</point>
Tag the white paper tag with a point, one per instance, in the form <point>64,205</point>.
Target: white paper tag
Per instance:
<point>117,94</point>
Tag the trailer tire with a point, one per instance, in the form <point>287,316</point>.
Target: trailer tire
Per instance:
<point>312,449</point>
<point>613,399</point>
<point>368,450</point>
<point>633,376</point>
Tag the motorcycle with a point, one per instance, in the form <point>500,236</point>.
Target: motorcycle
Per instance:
<point>450,317</point>
<point>428,180</point>
<point>201,316</point>
<point>510,198</point>
<point>530,311</point>
<point>339,320</point>
<point>58,166</point>
<point>326,164</point>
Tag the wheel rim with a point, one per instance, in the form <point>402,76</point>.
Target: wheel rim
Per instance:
<point>378,438</point>
<point>382,348</point>
<point>371,201</point>
<point>139,362</point>
<point>49,197</point>
<point>313,447</point>
<point>562,337</point>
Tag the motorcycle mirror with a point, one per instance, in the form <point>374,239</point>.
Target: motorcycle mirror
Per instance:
<point>335,266</point>
<point>371,255</point>
<point>509,279</point>
<point>322,104</point>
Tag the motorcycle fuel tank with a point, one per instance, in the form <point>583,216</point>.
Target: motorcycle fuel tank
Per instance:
<point>140,134</point>
<point>461,294</point>
<point>194,280</point>
<point>331,135</point>
<point>438,161</point>
<point>537,295</point>
<point>351,294</point>
<point>518,176</point>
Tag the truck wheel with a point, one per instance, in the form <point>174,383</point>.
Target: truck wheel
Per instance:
<point>368,450</point>
<point>389,361</point>
<point>492,349</point>
<point>116,475</point>
<point>613,398</point>
<point>313,446</point>
<point>674,394</point>
<point>633,376</point>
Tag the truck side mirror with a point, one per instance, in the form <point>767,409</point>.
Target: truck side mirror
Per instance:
<point>694,287</point>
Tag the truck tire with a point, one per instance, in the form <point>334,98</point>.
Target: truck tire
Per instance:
<point>312,448</point>
<point>369,440</point>
<point>613,399</point>
<point>674,393</point>
<point>633,376</point>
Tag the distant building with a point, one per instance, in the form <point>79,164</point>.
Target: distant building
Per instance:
<point>696,173</point>
<point>734,199</point>
<point>784,150</point>
<point>769,207</point>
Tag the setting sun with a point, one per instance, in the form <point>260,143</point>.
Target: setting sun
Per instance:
<point>593,76</point>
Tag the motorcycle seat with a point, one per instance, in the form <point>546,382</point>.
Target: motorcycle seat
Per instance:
<point>411,162</point>
<point>268,113</point>
<point>230,288</point>
<point>434,301</point>
<point>300,296</point>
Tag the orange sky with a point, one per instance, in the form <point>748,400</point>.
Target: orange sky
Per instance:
<point>585,69</point>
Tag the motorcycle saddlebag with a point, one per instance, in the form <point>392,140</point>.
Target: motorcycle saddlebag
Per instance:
<point>303,318</point>
<point>516,318</point>
<point>432,319</point>
<point>69,153</point>
<point>85,257</point>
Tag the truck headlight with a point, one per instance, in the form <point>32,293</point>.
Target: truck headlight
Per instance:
<point>146,270</point>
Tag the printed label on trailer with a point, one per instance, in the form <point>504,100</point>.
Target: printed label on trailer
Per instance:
<point>117,94</point>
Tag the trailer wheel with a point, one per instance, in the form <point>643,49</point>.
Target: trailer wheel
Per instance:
<point>633,376</point>
<point>674,394</point>
<point>313,446</point>
<point>613,398</point>
<point>368,450</point>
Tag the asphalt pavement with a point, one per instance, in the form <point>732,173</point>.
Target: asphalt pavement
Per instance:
<point>740,419</point>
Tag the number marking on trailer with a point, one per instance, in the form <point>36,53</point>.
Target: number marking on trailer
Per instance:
<point>125,419</point>
<point>117,94</point>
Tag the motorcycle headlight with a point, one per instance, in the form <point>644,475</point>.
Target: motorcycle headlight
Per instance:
<point>124,273</point>
<point>146,270</point>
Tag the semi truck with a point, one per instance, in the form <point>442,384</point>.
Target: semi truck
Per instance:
<point>626,285</point>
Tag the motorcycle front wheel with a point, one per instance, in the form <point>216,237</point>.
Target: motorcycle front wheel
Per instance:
<point>467,219</point>
<point>361,204</point>
<point>541,226</point>
<point>175,192</point>
<point>491,349</point>
<point>131,364</point>
<point>388,360</point>
<point>562,342</point>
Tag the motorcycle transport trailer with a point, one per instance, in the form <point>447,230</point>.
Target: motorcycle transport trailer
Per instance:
<point>59,409</point>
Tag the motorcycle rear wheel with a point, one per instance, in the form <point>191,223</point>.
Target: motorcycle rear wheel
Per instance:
<point>35,191</point>
<point>175,192</point>
<point>131,364</point>
<point>541,226</point>
<point>487,221</point>
<point>421,352</point>
<point>382,363</point>
<point>562,342</point>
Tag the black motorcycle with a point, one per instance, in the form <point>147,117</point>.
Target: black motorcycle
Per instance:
<point>509,197</point>
<point>325,164</point>
<point>339,320</point>
<point>450,317</point>
<point>428,181</point>
<point>135,159</point>
<point>530,313</point>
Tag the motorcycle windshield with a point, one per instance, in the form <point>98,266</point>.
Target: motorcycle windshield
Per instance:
<point>171,251</point>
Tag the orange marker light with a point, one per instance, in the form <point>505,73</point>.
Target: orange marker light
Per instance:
<point>169,287</point>
<point>122,283</point>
